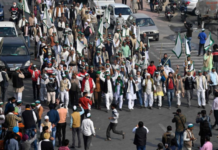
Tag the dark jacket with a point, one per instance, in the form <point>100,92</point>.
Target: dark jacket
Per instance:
<point>140,136</point>
<point>205,126</point>
<point>53,116</point>
<point>4,83</point>
<point>51,86</point>
<point>189,83</point>
<point>167,82</point>
<point>163,61</point>
<point>180,121</point>
<point>189,30</point>
<point>7,106</point>
<point>16,80</point>
<point>105,86</point>
<point>215,55</point>
<point>108,48</point>
<point>28,119</point>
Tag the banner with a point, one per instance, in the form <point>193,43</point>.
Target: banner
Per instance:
<point>209,42</point>
<point>79,46</point>
<point>177,50</point>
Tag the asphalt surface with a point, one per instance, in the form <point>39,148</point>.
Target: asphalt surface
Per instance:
<point>155,120</point>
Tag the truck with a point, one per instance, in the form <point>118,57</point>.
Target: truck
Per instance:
<point>206,11</point>
<point>99,6</point>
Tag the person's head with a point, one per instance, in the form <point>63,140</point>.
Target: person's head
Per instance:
<point>199,73</point>
<point>130,77</point>
<point>190,126</point>
<point>46,136</point>
<point>213,69</point>
<point>209,51</point>
<point>87,76</point>
<point>156,74</point>
<point>25,137</point>
<point>169,128</point>
<point>152,63</point>
<point>148,75</point>
<point>120,15</point>
<point>203,113</point>
<point>144,34</point>
<point>188,58</point>
<point>160,146</point>
<point>170,74</point>
<point>140,124</point>
<point>215,47</point>
<point>108,76</point>
<point>85,94</point>
<point>46,118</point>
<point>14,4</point>
<point>51,106</point>
<point>37,102</point>
<point>202,29</point>
<point>189,73</point>
<point>66,142</point>
<point>113,106</point>
<point>27,105</point>
<point>207,138</point>
<point>165,55</point>
<point>178,76</point>
<point>138,73</point>
<point>178,111</point>
<point>12,99</point>
<point>19,103</point>
<point>16,129</point>
<point>45,129</point>
<point>216,94</point>
<point>88,115</point>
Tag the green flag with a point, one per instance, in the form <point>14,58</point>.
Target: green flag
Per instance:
<point>177,50</point>
<point>209,42</point>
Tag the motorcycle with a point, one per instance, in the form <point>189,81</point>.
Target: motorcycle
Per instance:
<point>158,7</point>
<point>183,10</point>
<point>173,6</point>
<point>14,15</point>
<point>169,12</point>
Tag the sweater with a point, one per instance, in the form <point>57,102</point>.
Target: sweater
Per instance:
<point>29,119</point>
<point>53,116</point>
<point>140,136</point>
<point>11,120</point>
<point>26,145</point>
<point>84,102</point>
<point>76,119</point>
<point>45,145</point>
<point>62,114</point>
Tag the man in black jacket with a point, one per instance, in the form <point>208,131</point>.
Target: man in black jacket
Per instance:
<point>215,57</point>
<point>189,86</point>
<point>140,136</point>
<point>4,84</point>
<point>189,31</point>
<point>108,48</point>
<point>29,120</point>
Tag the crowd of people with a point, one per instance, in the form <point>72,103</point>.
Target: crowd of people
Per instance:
<point>113,71</point>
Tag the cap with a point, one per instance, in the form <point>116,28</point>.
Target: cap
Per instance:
<point>199,71</point>
<point>190,125</point>
<point>17,68</point>
<point>202,29</point>
<point>98,72</point>
<point>88,115</point>
<point>46,117</point>
<point>19,101</point>
<point>34,66</point>
<point>74,107</point>
<point>86,74</point>
<point>33,104</point>
<point>37,102</point>
<point>1,103</point>
<point>64,76</point>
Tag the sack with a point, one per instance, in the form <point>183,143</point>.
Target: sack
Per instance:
<point>86,31</point>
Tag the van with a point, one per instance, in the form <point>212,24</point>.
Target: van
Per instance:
<point>99,6</point>
<point>116,9</point>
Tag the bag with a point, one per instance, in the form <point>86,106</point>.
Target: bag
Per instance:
<point>205,127</point>
<point>171,139</point>
<point>86,31</point>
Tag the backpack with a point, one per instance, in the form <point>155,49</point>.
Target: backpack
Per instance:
<point>171,139</point>
<point>86,31</point>
<point>205,128</point>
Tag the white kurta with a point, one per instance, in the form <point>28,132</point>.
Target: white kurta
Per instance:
<point>131,95</point>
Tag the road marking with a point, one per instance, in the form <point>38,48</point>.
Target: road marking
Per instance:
<point>162,127</point>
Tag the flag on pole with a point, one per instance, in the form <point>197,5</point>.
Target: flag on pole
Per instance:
<point>46,18</point>
<point>177,50</point>
<point>79,46</point>
<point>187,50</point>
<point>25,7</point>
<point>123,32</point>
<point>148,43</point>
<point>138,38</point>
<point>100,30</point>
<point>66,42</point>
<point>209,42</point>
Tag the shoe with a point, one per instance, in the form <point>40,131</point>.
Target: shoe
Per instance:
<point>123,135</point>
<point>150,108</point>
<point>199,106</point>
<point>203,107</point>
<point>120,109</point>
<point>108,139</point>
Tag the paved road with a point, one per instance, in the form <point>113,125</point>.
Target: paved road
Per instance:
<point>156,120</point>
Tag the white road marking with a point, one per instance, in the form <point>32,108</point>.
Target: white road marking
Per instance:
<point>162,127</point>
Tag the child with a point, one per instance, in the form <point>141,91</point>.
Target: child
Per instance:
<point>65,145</point>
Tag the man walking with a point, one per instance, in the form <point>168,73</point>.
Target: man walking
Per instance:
<point>4,84</point>
<point>113,123</point>
<point>189,31</point>
<point>189,86</point>
<point>180,121</point>
<point>170,86</point>
<point>189,137</point>
<point>140,136</point>
<point>87,128</point>
<point>202,37</point>
<point>74,90</point>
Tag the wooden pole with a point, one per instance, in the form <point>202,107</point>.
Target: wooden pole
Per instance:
<point>167,60</point>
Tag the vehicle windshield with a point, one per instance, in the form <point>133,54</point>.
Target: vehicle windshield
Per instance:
<point>144,22</point>
<point>14,50</point>
<point>7,32</point>
<point>123,11</point>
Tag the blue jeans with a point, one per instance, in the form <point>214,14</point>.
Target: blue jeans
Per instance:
<point>139,94</point>
<point>170,95</point>
<point>53,133</point>
<point>152,6</point>
<point>30,132</point>
<point>189,42</point>
<point>28,40</point>
<point>179,138</point>
<point>87,38</point>
<point>141,147</point>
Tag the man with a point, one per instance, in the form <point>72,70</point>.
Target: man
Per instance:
<point>140,139</point>
<point>140,4</point>
<point>54,119</point>
<point>29,121</point>
<point>75,122</point>
<point>98,90</point>
<point>11,103</point>
<point>58,11</point>
<point>61,126</point>
<point>170,87</point>
<point>11,119</point>
<point>85,103</point>
<point>179,89</point>
<point>205,126</point>
<point>144,41</point>
<point>74,90</point>
<point>17,80</point>
<point>123,1</point>
<point>201,86</point>
<point>126,50</point>
<point>202,37</point>
<point>180,121</point>
<point>65,86</point>
<point>151,68</point>
<point>35,73</point>
<point>215,56</point>
<point>118,92</point>
<point>189,86</point>
<point>88,85</point>
<point>213,81</point>
<point>134,5</point>
<point>120,19</point>
<point>149,89</point>
<point>139,80</point>
<point>51,85</point>
<point>165,60</point>
<point>22,23</point>
<point>39,109</point>
<point>4,84</point>
<point>189,137</point>
<point>94,21</point>
<point>88,130</point>
<point>152,5</point>
<point>188,62</point>
<point>168,136</point>
<point>189,31</point>
<point>27,33</point>
<point>113,123</point>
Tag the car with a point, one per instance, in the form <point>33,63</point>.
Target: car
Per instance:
<point>14,53</point>
<point>2,15</point>
<point>99,5</point>
<point>191,5</point>
<point>146,25</point>
<point>116,9</point>
<point>8,29</point>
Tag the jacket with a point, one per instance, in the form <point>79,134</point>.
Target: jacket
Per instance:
<point>84,102</point>
<point>198,82</point>
<point>4,83</point>
<point>17,79</point>
<point>140,136</point>
<point>53,116</point>
<point>177,85</point>
<point>189,83</point>
<point>180,121</point>
<point>167,83</point>
<point>163,61</point>
<point>34,74</point>
<point>215,55</point>
<point>189,30</point>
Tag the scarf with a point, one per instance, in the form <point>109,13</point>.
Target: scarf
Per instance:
<point>98,59</point>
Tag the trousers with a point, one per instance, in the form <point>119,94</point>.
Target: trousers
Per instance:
<point>131,103</point>
<point>43,93</point>
<point>108,99</point>
<point>97,99</point>
<point>201,98</point>
<point>41,61</point>
<point>4,93</point>
<point>119,100</point>
<point>178,95</point>
<point>201,46</point>
<point>74,132</point>
<point>189,96</point>
<point>112,126</point>
<point>35,90</point>
<point>61,127</point>
<point>51,97</point>
<point>159,97</point>
<point>87,141</point>
<point>148,99</point>
<point>65,97</point>
<point>18,96</point>
<point>74,98</point>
